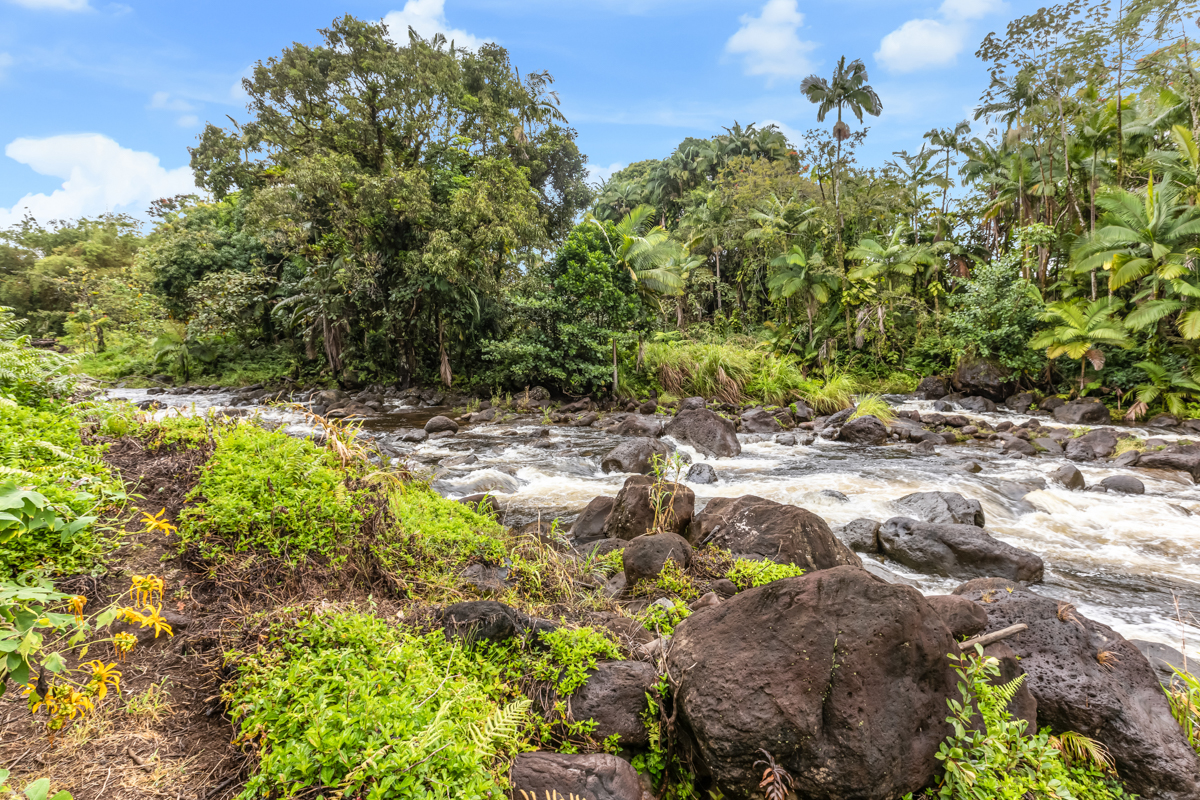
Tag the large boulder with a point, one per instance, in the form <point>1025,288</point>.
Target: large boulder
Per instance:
<point>1024,704</point>
<point>1185,458</point>
<point>932,388</point>
<point>1083,412</point>
<point>713,436</point>
<point>614,696</point>
<point>637,425</point>
<point>646,555</point>
<point>1124,484</point>
<point>1087,678</point>
<point>589,525</point>
<point>981,376</point>
<point>961,616</point>
<point>1020,402</point>
<point>597,776</point>
<point>956,551</point>
<point>860,535</point>
<point>635,455</point>
<point>1103,441</point>
<point>841,677</point>
<point>756,420</point>
<point>441,424</point>
<point>977,405</point>
<point>758,528</point>
<point>1069,477</point>
<point>482,620</point>
<point>690,404</point>
<point>632,512</point>
<point>943,507</point>
<point>866,429</point>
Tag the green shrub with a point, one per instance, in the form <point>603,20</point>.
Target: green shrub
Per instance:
<point>747,573</point>
<point>434,537</point>
<point>265,490</point>
<point>661,620</point>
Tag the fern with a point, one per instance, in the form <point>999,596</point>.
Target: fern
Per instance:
<point>1077,748</point>
<point>500,729</point>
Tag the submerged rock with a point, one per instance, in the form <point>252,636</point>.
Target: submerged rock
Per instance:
<point>956,551</point>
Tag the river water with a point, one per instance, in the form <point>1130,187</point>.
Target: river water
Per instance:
<point>1121,559</point>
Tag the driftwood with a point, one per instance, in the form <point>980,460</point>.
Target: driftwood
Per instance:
<point>994,636</point>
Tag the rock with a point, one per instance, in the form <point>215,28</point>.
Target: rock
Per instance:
<point>866,429</point>
<point>416,436</point>
<point>926,447</point>
<point>585,420</point>
<point>1163,421</point>
<point>932,388</point>
<point>483,502</point>
<point>1102,441</point>
<point>690,404</point>
<point>646,555</point>
<point>648,407</point>
<point>860,535</point>
<point>809,670</point>
<point>713,436</point>
<point>961,616</point>
<point>1012,444</point>
<point>481,619</point>
<point>801,412</point>
<point>1119,703</point>
<point>1125,484</point>
<point>486,579</point>
<point>942,507</point>
<point>1024,704</point>
<point>758,528</point>
<point>942,406</point>
<point>834,494</point>
<point>1048,404</point>
<point>600,547</point>
<point>584,404</point>
<point>1129,458</point>
<point>636,425</point>
<point>1019,402</point>
<point>633,513</point>
<point>599,776</point>
<point>635,455</point>
<point>441,424</point>
<point>1048,446</point>
<point>1165,660</point>
<point>956,551</point>
<point>701,473</point>
<point>756,420</point>
<point>978,405</point>
<point>1079,450</point>
<point>981,376</point>
<point>1069,477</point>
<point>1185,458</point>
<point>615,697</point>
<point>707,600</point>
<point>786,439</point>
<point>458,461</point>
<point>589,525</point>
<point>1083,413</point>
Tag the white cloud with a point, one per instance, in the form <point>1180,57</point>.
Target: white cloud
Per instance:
<point>921,43</point>
<point>187,121</point>
<point>5,62</point>
<point>237,92</point>
<point>769,45</point>
<point>970,9</point>
<point>427,17</point>
<point>599,174</point>
<point>98,175</point>
<point>56,5</point>
<point>164,100</point>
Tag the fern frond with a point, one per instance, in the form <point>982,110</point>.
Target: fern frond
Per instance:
<point>501,728</point>
<point>1077,747</point>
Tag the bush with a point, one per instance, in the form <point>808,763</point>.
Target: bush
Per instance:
<point>996,315</point>
<point>747,573</point>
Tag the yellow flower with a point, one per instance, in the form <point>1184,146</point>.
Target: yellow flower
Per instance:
<point>150,616</point>
<point>103,676</point>
<point>156,522</point>
<point>124,643</point>
<point>144,587</point>
<point>77,602</point>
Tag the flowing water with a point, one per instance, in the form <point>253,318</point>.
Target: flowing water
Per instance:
<point>1121,559</point>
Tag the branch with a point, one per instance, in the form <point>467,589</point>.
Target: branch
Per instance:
<point>995,636</point>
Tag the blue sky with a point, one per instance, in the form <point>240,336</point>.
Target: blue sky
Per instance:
<point>102,99</point>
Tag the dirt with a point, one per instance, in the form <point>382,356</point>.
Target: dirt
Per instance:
<point>164,734</point>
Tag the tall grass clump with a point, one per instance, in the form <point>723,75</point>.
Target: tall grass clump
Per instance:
<point>725,371</point>
<point>832,395</point>
<point>875,406</point>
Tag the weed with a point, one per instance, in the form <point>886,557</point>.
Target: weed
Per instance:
<point>1066,613</point>
<point>662,620</point>
<point>776,781</point>
<point>747,573</point>
<point>1107,659</point>
<point>152,705</point>
<point>876,406</point>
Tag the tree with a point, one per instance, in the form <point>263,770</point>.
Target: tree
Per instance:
<point>1173,388</point>
<point>649,255</point>
<point>801,275</point>
<point>1080,330</point>
<point>949,141</point>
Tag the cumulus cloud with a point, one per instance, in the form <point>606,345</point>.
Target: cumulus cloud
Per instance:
<point>427,17</point>
<point>599,174</point>
<point>187,121</point>
<point>98,175</point>
<point>921,43</point>
<point>55,5</point>
<point>164,100</point>
<point>768,43</point>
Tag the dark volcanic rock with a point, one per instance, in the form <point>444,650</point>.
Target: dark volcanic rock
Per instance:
<point>635,455</point>
<point>1130,458</point>
<point>1082,412</point>
<point>961,616</point>
<point>637,425</point>
<point>633,514</point>
<point>1024,704</point>
<point>759,528</point>
<point>978,405</point>
<point>713,436</point>
<point>701,473</point>
<point>842,677</point>
<point>598,776</point>
<point>932,388</point>
<point>1125,484</point>
<point>647,555</point>
<point>1165,660</point>
<point>483,502</point>
<point>1069,476</point>
<point>863,430</point>
<point>980,376</point>
<point>956,551</point>
<point>947,507</point>
<point>1181,457</point>
<point>615,697</point>
<point>756,420</point>
<point>1048,404</point>
<point>441,425</point>
<point>589,525</point>
<point>482,619</point>
<point>690,404</point>
<point>1019,402</point>
<point>1119,703</point>
<point>861,535</point>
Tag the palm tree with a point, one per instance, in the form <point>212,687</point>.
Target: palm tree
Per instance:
<point>650,255</point>
<point>800,274</point>
<point>916,175</point>
<point>949,141</point>
<point>1173,388</point>
<point>1080,330</point>
<point>885,260</point>
<point>847,89</point>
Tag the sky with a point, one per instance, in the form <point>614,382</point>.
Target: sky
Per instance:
<point>101,100</point>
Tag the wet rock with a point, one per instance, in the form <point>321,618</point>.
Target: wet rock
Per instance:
<point>701,473</point>
<point>863,430</point>
<point>926,448</point>
<point>648,407</point>
<point>961,616</point>
<point>1083,412</point>
<point>1079,450</point>
<point>943,406</point>
<point>786,439</point>
<point>598,776</point>
<point>646,555</point>
<point>956,551</point>
<point>477,620</point>
<point>589,525</point>
<point>481,502</point>
<point>1019,402</point>
<point>690,404</point>
<point>981,376</point>
<point>834,420</point>
<point>583,404</point>
<point>756,420</point>
<point>713,436</point>
<point>1163,421</point>
<point>957,421</point>
<point>458,461</point>
<point>633,513</point>
<point>1185,458</point>
<point>1125,484</point>
<point>1129,458</point>
<point>1024,704</point>
<point>1102,441</point>
<point>758,528</point>
<point>860,535</point>
<point>1069,477</point>
<point>942,507</point>
<point>441,424</point>
<point>886,575</point>
<point>971,467</point>
<point>1114,698</point>
<point>977,405</point>
<point>809,669</point>
<point>1013,444</point>
<point>1048,404</point>
<point>834,494</point>
<point>801,412</point>
<point>1165,660</point>
<point>1048,445</point>
<point>415,436</point>
<point>637,425</point>
<point>635,455</point>
<point>932,388</point>
<point>585,420</point>
<point>615,697</point>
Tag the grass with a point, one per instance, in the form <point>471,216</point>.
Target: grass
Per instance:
<point>875,406</point>
<point>1130,443</point>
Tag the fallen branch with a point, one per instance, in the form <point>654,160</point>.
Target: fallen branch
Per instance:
<point>141,762</point>
<point>994,636</point>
